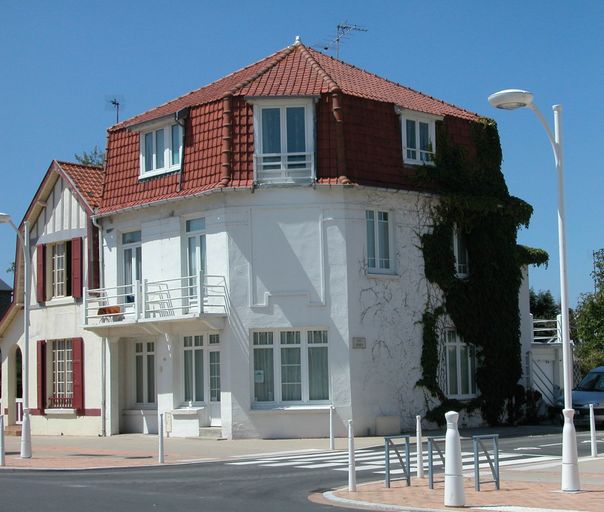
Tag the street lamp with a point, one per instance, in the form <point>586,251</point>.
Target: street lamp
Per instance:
<point>25,427</point>
<point>511,99</point>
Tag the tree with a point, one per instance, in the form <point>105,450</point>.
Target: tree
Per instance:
<point>11,269</point>
<point>95,157</point>
<point>542,305</point>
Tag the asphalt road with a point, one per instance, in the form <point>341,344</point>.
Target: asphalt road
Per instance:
<point>207,487</point>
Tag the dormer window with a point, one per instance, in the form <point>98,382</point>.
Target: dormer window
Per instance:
<point>284,141</point>
<point>161,150</point>
<point>419,137</point>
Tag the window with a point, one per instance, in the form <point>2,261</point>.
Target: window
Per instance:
<point>58,269</point>
<point>290,366</point>
<point>61,374</point>
<point>201,361</point>
<point>284,135</point>
<point>378,242</point>
<point>419,137</point>
<point>196,256</point>
<point>460,366</point>
<point>131,263</point>
<point>161,150</point>
<point>460,251</point>
<point>144,372</point>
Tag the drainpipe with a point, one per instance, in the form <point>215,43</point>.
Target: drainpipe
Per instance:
<point>338,115</point>
<point>104,341</point>
<point>227,140</point>
<point>181,117</point>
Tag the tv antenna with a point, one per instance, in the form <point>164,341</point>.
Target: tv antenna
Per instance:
<point>114,102</point>
<point>342,30</point>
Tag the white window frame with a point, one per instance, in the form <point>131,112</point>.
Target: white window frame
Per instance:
<point>284,173</point>
<point>136,263</point>
<point>58,270</point>
<point>199,235</point>
<point>168,166</point>
<point>148,351</point>
<point>376,267</point>
<point>60,373</point>
<point>422,157</point>
<point>276,348</point>
<point>462,270</point>
<point>451,340</point>
<point>210,343</point>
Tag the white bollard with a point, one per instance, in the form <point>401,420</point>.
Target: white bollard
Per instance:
<point>419,446</point>
<point>332,442</point>
<point>160,432</point>
<point>570,467</point>
<point>352,477</point>
<point>454,492</point>
<point>2,461</point>
<point>592,429</point>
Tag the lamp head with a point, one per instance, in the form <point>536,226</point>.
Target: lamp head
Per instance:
<point>4,218</point>
<point>511,99</point>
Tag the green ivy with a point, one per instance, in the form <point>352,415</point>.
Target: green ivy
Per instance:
<point>483,306</point>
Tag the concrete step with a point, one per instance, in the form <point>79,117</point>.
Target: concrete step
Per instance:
<point>12,430</point>
<point>210,432</point>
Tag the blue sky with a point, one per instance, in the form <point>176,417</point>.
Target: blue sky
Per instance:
<point>62,60</point>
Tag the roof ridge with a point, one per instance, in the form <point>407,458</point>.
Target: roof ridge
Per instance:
<point>63,162</point>
<point>271,64</point>
<point>398,84</point>
<point>317,67</point>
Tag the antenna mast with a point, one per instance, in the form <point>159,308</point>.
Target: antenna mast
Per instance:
<point>342,30</point>
<point>116,105</point>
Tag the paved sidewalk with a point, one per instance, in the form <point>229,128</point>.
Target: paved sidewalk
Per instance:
<point>527,488</point>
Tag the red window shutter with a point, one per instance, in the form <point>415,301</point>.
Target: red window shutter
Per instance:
<point>76,268</point>
<point>41,273</point>
<point>41,376</point>
<point>77,346</point>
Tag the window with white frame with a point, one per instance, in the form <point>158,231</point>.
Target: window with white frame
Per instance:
<point>379,258</point>
<point>460,366</point>
<point>144,372</point>
<point>57,284</point>
<point>196,256</point>
<point>419,137</point>
<point>60,373</point>
<point>131,263</point>
<point>161,150</point>
<point>284,141</point>
<point>460,251</point>
<point>290,366</point>
<point>201,369</point>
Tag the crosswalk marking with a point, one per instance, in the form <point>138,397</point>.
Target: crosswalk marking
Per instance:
<point>372,460</point>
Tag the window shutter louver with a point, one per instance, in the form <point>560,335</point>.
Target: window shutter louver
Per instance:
<point>77,345</point>
<point>41,376</point>
<point>41,273</point>
<point>76,268</point>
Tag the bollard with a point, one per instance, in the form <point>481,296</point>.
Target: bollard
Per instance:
<point>352,477</point>
<point>454,491</point>
<point>332,444</point>
<point>419,446</point>
<point>2,461</point>
<point>570,467</point>
<point>160,432</point>
<point>592,429</point>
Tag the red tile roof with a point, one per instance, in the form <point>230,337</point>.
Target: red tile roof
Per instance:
<point>298,70</point>
<point>88,180</point>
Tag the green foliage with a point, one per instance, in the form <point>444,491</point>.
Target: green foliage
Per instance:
<point>543,306</point>
<point>484,307</point>
<point>533,256</point>
<point>598,271</point>
<point>589,325</point>
<point>11,269</point>
<point>95,157</point>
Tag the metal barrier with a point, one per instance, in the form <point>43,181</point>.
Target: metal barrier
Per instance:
<point>390,444</point>
<point>477,441</point>
<point>433,444</point>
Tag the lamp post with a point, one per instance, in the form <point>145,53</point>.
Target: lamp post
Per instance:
<point>511,99</point>
<point>24,239</point>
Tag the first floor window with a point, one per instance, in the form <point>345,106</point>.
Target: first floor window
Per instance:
<point>58,263</point>
<point>460,251</point>
<point>378,241</point>
<point>145,372</point>
<point>460,366</point>
<point>61,371</point>
<point>290,366</point>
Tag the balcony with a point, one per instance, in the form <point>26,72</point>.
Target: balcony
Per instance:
<point>144,305</point>
<point>285,168</point>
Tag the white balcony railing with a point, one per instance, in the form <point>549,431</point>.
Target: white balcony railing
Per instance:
<point>285,167</point>
<point>155,300</point>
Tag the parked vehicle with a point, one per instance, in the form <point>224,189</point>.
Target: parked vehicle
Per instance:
<point>589,391</point>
